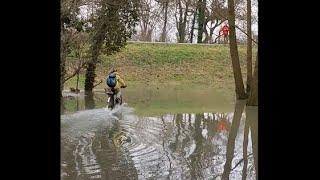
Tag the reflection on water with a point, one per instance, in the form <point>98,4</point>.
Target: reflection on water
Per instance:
<point>99,144</point>
<point>232,138</point>
<point>157,100</point>
<point>88,101</point>
<point>252,118</point>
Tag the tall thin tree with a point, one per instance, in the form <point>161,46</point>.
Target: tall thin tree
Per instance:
<point>240,93</point>
<point>201,19</point>
<point>249,47</point>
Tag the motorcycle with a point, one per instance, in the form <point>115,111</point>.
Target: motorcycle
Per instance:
<point>113,101</point>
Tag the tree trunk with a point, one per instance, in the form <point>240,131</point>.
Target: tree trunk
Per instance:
<point>183,29</point>
<point>210,35</point>
<point>249,47</point>
<point>90,75</point>
<point>253,97</point>
<point>185,19</point>
<point>181,23</point>
<point>144,31</point>
<point>91,65</point>
<point>234,53</point>
<point>77,87</point>
<point>202,6</point>
<point>97,43</point>
<point>149,35</point>
<point>164,30</point>
<point>77,108</point>
<point>207,36</point>
<point>63,54</point>
<point>232,137</point>
<point>180,28</point>
<point>62,70</point>
<point>192,26</point>
<point>206,39</point>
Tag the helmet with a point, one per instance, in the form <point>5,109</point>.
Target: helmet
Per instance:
<point>113,70</point>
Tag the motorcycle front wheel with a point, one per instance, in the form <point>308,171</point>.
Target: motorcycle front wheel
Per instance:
<point>111,102</point>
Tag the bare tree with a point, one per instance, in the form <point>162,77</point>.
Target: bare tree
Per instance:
<point>192,24</point>
<point>165,6</point>
<point>149,12</point>
<point>164,30</point>
<point>69,10</point>
<point>235,54</point>
<point>212,20</point>
<point>78,60</point>
<point>201,19</point>
<point>191,21</point>
<point>182,8</point>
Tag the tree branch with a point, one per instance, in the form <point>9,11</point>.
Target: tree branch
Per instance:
<point>75,72</point>
<point>97,84</point>
<point>215,40</point>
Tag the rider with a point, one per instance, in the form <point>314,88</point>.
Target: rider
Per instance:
<point>119,84</point>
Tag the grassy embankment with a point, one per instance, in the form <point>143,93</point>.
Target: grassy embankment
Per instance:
<point>182,65</point>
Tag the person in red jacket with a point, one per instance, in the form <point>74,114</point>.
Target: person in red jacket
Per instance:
<point>225,32</point>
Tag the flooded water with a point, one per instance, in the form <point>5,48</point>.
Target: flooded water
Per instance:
<point>130,143</point>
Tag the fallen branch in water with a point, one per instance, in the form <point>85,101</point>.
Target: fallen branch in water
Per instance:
<point>233,167</point>
<point>240,162</point>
